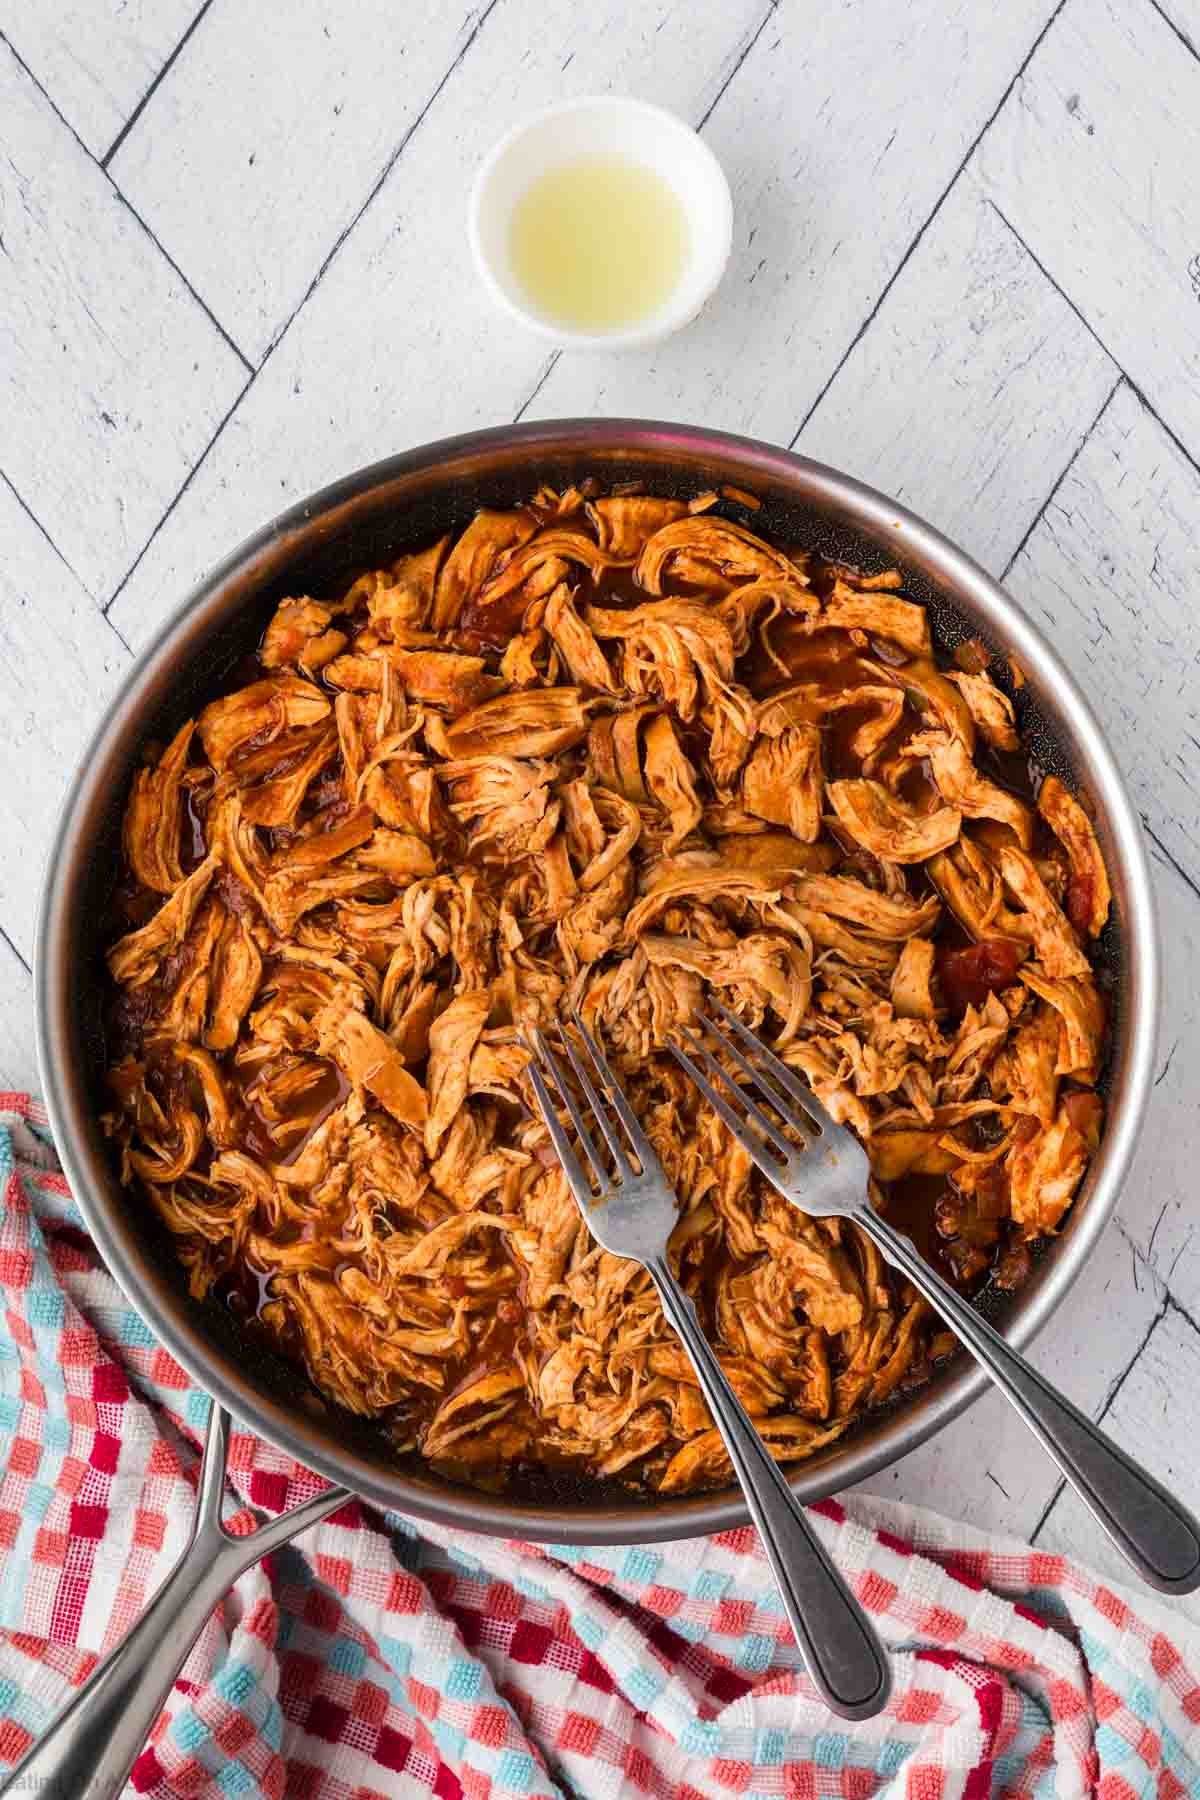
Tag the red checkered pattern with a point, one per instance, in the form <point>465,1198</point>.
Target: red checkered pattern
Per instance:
<point>375,1657</point>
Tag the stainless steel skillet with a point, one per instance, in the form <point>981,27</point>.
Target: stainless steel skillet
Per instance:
<point>363,520</point>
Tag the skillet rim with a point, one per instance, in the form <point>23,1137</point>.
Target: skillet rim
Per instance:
<point>314,1443</point>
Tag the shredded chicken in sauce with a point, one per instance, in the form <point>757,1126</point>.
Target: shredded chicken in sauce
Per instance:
<point>618,750</point>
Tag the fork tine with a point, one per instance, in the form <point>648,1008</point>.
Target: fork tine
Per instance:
<point>568,1099</point>
<point>753,1146</point>
<point>801,1093</point>
<point>642,1146</point>
<point>769,1130</point>
<point>577,1180</point>
<point>818,1114</point>
<point>611,1136</point>
<point>758,1076</point>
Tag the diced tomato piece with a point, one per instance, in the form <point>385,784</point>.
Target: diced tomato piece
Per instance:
<point>970,975</point>
<point>491,625</point>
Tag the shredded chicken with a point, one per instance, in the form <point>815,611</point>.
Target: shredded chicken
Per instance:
<point>616,751</point>
<point>1089,895</point>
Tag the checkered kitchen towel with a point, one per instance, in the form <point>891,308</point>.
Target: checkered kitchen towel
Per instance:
<point>375,1657</point>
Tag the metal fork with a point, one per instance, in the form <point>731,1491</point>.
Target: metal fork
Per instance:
<point>829,1177</point>
<point>632,1212</point>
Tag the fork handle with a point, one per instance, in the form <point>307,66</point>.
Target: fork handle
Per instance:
<point>843,1654</point>
<point>1152,1529</point>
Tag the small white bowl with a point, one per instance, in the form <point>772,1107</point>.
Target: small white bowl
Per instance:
<point>605,125</point>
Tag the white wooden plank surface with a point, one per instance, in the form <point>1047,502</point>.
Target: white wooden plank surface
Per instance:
<point>59,658</point>
<point>97,58</point>
<point>838,145</point>
<point>1111,105</point>
<point>264,139</point>
<point>1149,1414</point>
<point>1110,572</point>
<point>1156,1222</point>
<point>427,354</point>
<point>111,378</point>
<point>973,388</point>
<point>865,264</point>
<point>18,1060</point>
<point>1159,1211</point>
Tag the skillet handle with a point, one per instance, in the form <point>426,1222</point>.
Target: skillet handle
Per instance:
<point>95,1740</point>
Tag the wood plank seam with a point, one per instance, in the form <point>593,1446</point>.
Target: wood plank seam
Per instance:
<point>1060,1486</point>
<point>178,496</point>
<point>4,938</point>
<point>1170,1274</point>
<point>299,307</point>
<point>1135,1263</point>
<point>118,633</point>
<point>1162,1211</point>
<point>1162,1074</point>
<point>937,207</point>
<point>140,108</point>
<point>1175,1304</point>
<point>990,351</point>
<point>201,303</point>
<point>34,520</point>
<point>1168,858</point>
<point>539,384</point>
<point>1088,326</point>
<point>1170,1305</point>
<point>63,120</point>
<point>749,45</point>
<point>388,166</point>
<point>1142,1257</point>
<point>1040,514</point>
<point>1182,35</point>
